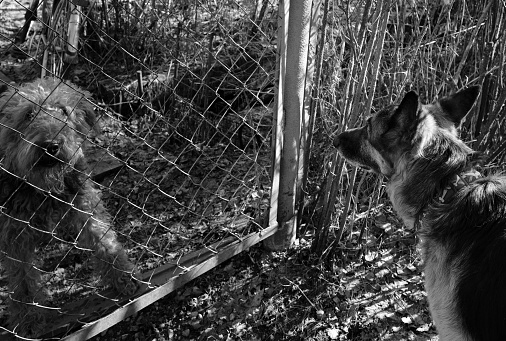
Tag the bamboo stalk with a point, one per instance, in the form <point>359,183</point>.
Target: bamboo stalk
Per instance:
<point>347,204</point>
<point>312,95</point>
<point>471,41</point>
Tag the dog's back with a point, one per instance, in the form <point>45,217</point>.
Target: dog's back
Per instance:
<point>432,184</point>
<point>464,242</point>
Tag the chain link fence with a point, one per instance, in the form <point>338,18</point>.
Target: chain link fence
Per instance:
<point>185,92</point>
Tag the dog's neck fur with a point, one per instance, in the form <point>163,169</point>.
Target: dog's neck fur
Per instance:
<point>422,174</point>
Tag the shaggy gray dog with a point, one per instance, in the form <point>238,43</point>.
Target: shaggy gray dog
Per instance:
<point>45,193</point>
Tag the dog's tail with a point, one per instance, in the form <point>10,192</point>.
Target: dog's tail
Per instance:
<point>481,203</point>
<point>485,196</point>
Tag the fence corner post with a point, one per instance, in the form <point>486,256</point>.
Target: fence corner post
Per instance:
<point>293,48</point>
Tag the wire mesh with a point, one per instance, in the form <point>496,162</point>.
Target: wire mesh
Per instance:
<point>184,96</point>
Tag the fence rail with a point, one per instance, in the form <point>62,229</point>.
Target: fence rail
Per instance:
<point>102,314</point>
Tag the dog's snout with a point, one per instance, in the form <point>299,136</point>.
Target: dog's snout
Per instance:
<point>348,139</point>
<point>337,141</point>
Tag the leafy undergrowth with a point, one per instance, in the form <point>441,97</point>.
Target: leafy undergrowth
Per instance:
<point>376,294</point>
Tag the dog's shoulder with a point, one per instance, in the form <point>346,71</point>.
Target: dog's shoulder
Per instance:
<point>468,237</point>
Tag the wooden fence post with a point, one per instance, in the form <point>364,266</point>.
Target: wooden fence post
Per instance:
<point>293,48</point>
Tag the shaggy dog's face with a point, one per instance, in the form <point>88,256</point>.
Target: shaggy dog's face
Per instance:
<point>42,129</point>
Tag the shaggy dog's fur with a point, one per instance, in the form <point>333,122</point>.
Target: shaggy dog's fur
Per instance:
<point>45,193</point>
<point>432,184</point>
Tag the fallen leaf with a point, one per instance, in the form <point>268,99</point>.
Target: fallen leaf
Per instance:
<point>333,333</point>
<point>406,320</point>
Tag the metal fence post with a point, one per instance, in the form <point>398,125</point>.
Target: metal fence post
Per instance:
<point>289,118</point>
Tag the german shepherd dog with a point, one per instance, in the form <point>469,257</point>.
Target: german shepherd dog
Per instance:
<point>461,214</point>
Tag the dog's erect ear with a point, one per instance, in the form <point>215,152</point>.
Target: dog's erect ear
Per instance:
<point>406,114</point>
<point>458,105</point>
